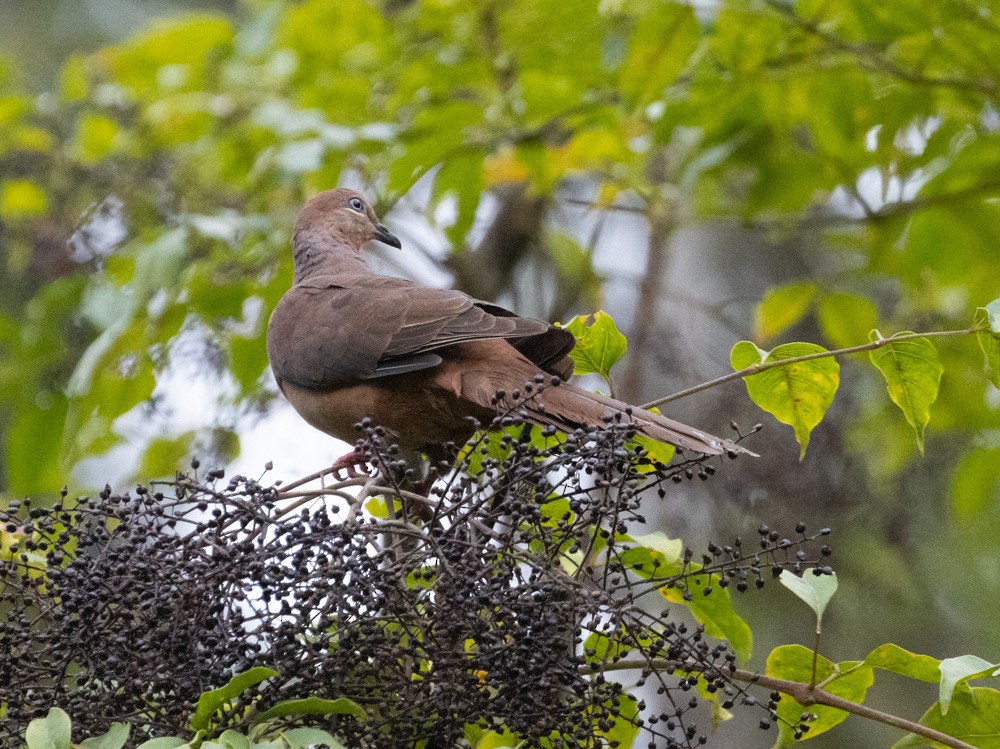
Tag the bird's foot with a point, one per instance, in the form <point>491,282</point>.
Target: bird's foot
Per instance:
<point>348,465</point>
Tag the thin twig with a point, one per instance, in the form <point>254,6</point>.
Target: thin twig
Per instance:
<point>755,369</point>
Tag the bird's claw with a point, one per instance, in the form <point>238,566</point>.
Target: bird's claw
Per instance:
<point>346,466</point>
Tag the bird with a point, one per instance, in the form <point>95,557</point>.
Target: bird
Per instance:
<point>429,365</point>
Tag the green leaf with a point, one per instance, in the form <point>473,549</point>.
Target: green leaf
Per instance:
<point>794,663</point>
<point>912,372</point>
<point>893,658</point>
<point>662,557</point>
<point>624,728</point>
<point>164,455</point>
<point>74,83</point>
<point>247,360</point>
<point>782,307</point>
<point>460,177</point>
<point>115,738</point>
<point>180,44</point>
<point>660,47</point>
<point>815,590</point>
<point>164,742</point>
<point>314,706</point>
<point>494,740</point>
<point>669,550</point>
<point>955,671</point>
<point>797,394</point>
<point>95,138</point>
<point>972,719</point>
<point>211,701</point>
<point>234,740</point>
<point>306,738</point>
<point>599,344</point>
<point>21,198</point>
<point>975,481</point>
<point>656,451</point>
<point>988,318</point>
<point>157,264</point>
<point>34,443</point>
<point>573,262</point>
<point>715,611</point>
<point>606,649</point>
<point>846,319</point>
<point>50,732</point>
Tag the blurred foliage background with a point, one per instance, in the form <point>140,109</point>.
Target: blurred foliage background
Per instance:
<point>666,162</point>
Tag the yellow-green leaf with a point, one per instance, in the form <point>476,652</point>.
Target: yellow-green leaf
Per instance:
<point>715,611</point>
<point>846,319</point>
<point>599,344</point>
<point>794,663</point>
<point>975,482</point>
<point>890,657</point>
<point>21,198</point>
<point>377,507</point>
<point>623,727</point>
<point>34,440</point>
<point>461,178</point>
<point>657,452</point>
<point>659,50</point>
<point>988,319</point>
<point>657,555</point>
<point>313,706</point>
<point>912,373</point>
<point>972,719</point>
<point>73,79</point>
<point>782,307</point>
<point>164,455</point>
<point>213,700</point>
<point>95,137</point>
<point>795,394</point>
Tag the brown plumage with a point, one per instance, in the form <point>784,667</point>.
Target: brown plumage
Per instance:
<point>346,343</point>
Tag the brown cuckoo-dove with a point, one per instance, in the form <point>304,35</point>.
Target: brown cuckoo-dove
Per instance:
<point>346,343</point>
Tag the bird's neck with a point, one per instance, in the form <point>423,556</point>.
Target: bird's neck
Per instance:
<point>321,256</point>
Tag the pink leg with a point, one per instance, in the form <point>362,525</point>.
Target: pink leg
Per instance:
<point>349,464</point>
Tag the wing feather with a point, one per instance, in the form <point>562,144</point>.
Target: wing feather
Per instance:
<point>333,330</point>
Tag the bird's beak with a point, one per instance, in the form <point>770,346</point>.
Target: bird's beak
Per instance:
<point>384,235</point>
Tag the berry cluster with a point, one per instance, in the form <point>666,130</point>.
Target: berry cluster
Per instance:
<point>503,592</point>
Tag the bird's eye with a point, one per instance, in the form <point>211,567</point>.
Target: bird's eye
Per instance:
<point>357,204</point>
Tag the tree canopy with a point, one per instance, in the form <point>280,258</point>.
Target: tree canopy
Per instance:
<point>830,167</point>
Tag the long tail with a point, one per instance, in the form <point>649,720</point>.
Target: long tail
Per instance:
<point>568,407</point>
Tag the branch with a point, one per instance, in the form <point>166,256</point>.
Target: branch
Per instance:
<point>755,369</point>
<point>804,695</point>
<point>661,226</point>
<point>887,212</point>
<point>870,58</point>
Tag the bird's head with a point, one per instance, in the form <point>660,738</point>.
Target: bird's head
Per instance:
<point>342,217</point>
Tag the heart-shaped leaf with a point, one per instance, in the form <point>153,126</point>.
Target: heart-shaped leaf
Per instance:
<point>796,394</point>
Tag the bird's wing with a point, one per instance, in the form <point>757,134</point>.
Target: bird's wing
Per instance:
<point>339,329</point>
<point>434,318</point>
